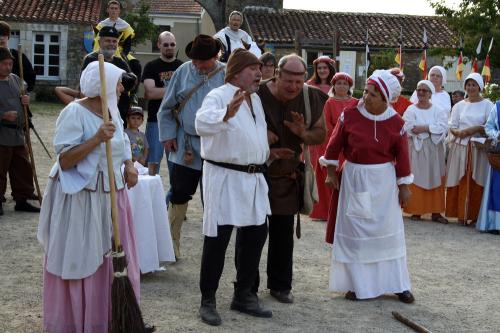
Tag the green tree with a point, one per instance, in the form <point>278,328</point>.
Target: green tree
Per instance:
<point>142,24</point>
<point>472,20</point>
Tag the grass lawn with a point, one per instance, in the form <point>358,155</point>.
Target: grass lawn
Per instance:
<point>45,108</point>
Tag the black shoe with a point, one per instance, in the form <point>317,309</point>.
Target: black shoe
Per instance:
<point>24,206</point>
<point>283,296</point>
<point>351,295</point>
<point>1,209</point>
<point>208,312</point>
<point>149,328</point>
<point>406,297</point>
<point>248,302</point>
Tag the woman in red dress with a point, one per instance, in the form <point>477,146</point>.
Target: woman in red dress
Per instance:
<point>342,98</point>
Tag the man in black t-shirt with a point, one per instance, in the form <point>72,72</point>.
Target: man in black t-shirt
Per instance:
<point>156,76</point>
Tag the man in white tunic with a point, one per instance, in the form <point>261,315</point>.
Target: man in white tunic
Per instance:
<point>233,131</point>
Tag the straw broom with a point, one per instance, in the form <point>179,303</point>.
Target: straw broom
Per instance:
<point>126,315</point>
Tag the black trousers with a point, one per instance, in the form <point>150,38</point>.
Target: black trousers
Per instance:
<point>280,252</point>
<point>184,183</point>
<point>249,243</point>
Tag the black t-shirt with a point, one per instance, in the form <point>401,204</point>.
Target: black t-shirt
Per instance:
<point>161,72</point>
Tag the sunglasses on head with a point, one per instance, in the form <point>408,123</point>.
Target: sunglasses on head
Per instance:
<point>168,44</point>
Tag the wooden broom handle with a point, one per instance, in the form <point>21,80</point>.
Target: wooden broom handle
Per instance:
<point>109,157</point>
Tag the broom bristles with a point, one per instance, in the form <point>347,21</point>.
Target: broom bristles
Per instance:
<point>126,315</point>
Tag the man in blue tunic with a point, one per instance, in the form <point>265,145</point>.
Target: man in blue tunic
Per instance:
<point>189,85</point>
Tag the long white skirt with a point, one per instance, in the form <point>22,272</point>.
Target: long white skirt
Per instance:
<point>369,251</point>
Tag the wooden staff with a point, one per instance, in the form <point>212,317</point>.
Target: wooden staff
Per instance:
<point>125,312</point>
<point>26,124</point>
<point>416,327</point>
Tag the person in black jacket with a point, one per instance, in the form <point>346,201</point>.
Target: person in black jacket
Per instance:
<point>29,73</point>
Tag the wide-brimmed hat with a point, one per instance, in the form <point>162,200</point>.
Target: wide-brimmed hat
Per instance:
<point>203,47</point>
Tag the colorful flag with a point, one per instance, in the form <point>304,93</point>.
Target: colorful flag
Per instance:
<point>423,61</point>
<point>399,54</point>
<point>478,51</point>
<point>460,67</point>
<point>486,73</point>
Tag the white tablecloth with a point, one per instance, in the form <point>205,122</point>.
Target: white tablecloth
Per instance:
<point>152,230</point>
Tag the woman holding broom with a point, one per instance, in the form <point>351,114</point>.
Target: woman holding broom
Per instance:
<point>75,221</point>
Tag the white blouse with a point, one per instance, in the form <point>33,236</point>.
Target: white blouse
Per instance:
<point>75,125</point>
<point>466,114</point>
<point>434,117</point>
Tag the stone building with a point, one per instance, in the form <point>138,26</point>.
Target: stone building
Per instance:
<point>52,35</point>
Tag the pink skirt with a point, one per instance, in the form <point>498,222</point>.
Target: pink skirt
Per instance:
<point>84,306</point>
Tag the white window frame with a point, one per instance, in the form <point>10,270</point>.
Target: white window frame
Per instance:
<point>46,55</point>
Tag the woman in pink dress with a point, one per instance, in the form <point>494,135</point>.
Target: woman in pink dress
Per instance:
<point>75,218</point>
<point>341,99</point>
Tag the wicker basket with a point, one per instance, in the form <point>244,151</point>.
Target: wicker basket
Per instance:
<point>494,159</point>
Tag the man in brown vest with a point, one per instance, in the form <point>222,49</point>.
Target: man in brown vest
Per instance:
<point>283,102</point>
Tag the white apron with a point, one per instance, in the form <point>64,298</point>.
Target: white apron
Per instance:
<point>369,251</point>
<point>369,221</point>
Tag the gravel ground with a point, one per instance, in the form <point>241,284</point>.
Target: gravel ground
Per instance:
<point>454,270</point>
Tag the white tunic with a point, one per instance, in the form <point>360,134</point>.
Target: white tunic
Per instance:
<point>427,149</point>
<point>235,37</point>
<point>232,197</point>
<point>466,114</point>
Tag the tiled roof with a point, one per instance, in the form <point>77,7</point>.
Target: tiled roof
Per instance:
<point>53,11</point>
<point>279,26</point>
<point>181,7</point>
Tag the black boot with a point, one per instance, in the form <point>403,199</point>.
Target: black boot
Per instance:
<point>1,209</point>
<point>247,302</point>
<point>24,206</point>
<point>208,312</point>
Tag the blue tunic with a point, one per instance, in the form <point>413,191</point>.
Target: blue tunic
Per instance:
<point>489,215</point>
<point>183,80</point>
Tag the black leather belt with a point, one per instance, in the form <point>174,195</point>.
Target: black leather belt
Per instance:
<point>251,168</point>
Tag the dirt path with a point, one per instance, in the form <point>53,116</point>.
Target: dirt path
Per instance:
<point>454,270</point>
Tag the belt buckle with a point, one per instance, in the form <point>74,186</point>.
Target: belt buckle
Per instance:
<point>252,168</point>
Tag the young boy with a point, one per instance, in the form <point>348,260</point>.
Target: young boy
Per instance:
<point>138,141</point>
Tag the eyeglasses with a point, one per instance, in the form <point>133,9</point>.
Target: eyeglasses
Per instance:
<point>423,90</point>
<point>168,44</point>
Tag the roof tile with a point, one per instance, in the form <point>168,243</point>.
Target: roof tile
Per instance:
<point>53,11</point>
<point>279,26</point>
<point>183,7</point>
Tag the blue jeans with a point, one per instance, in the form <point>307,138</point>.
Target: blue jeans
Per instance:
<point>156,149</point>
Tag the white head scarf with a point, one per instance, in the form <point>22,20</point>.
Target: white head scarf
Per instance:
<point>90,84</point>
<point>441,70</point>
<point>387,83</point>
<point>476,77</point>
<point>428,84</point>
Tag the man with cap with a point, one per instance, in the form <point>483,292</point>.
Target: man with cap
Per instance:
<point>125,31</point>
<point>14,159</point>
<point>284,105</point>
<point>189,85</point>
<point>234,146</point>
<point>29,75</point>
<point>108,44</point>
